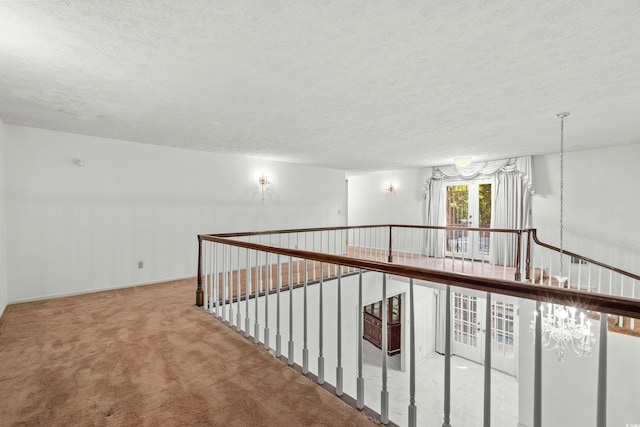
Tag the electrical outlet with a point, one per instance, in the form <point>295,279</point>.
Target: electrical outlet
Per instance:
<point>140,264</point>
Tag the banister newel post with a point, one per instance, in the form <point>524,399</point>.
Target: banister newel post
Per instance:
<point>199,292</point>
<point>518,257</point>
<point>390,244</point>
<point>528,257</point>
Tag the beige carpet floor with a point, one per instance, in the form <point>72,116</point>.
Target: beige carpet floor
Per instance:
<point>147,356</point>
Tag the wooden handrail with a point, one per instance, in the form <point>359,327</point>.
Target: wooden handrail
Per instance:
<point>351,227</point>
<point>534,233</point>
<point>294,230</point>
<point>442,227</point>
<point>590,301</point>
<point>530,231</point>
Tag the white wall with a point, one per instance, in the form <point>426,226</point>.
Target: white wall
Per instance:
<point>370,204</point>
<point>3,221</point>
<point>78,229</point>
<point>601,203</point>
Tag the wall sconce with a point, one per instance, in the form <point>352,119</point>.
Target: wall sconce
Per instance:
<point>462,161</point>
<point>78,161</point>
<point>263,181</point>
<point>390,189</point>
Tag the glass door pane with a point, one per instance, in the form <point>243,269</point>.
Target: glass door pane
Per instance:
<point>468,205</point>
<point>466,327</point>
<point>484,218</point>
<point>504,336</point>
<point>394,310</point>
<point>457,216</point>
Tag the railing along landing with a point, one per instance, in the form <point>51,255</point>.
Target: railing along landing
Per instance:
<point>261,285</point>
<point>456,249</point>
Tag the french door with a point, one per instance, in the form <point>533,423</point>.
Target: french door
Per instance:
<point>468,205</point>
<point>469,329</point>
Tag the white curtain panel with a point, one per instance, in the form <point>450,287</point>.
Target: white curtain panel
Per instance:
<point>435,200</point>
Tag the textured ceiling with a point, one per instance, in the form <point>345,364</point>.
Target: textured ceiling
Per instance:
<point>355,85</point>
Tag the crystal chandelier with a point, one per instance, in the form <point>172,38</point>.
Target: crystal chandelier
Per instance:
<point>561,332</point>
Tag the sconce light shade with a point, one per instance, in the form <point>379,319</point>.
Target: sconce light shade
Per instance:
<point>78,161</point>
<point>390,189</point>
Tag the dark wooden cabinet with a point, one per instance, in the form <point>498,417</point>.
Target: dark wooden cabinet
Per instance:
<point>372,322</point>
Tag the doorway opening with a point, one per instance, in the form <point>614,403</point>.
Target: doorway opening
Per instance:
<point>469,329</point>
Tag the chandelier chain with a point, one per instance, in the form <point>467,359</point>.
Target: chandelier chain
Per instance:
<point>563,329</point>
<point>561,196</point>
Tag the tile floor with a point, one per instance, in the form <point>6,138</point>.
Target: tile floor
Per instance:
<point>467,379</point>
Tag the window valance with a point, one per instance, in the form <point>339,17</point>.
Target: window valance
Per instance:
<point>513,165</point>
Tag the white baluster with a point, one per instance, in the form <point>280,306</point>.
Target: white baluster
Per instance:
<point>298,260</point>
<point>247,292</point>
<point>205,273</point>
<point>305,350</point>
<point>384,394</point>
<point>601,398</point>
<point>406,246</point>
<point>278,286</point>
<point>537,366</point>
<point>579,274</point>
<point>290,358</point>
<point>313,249</point>
<point>494,261</point>
<point>413,252</point>
<point>377,240</point>
<point>320,331</point>
<point>339,372</point>
<point>473,245</point>
<point>504,260</point>
<point>337,242</point>
<point>620,318</point>
<point>267,285</point>
<point>599,279</point>
<point>413,416</point>
<point>238,316</point>
<point>360,379</point>
<point>447,360</point>
<point>487,363</point>
<point>211,279</point>
<point>258,280</point>
<point>633,296</point>
<point>225,249</point>
<point>216,280</point>
<point>610,282</point>
<point>462,255</point>
<point>482,259</point>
